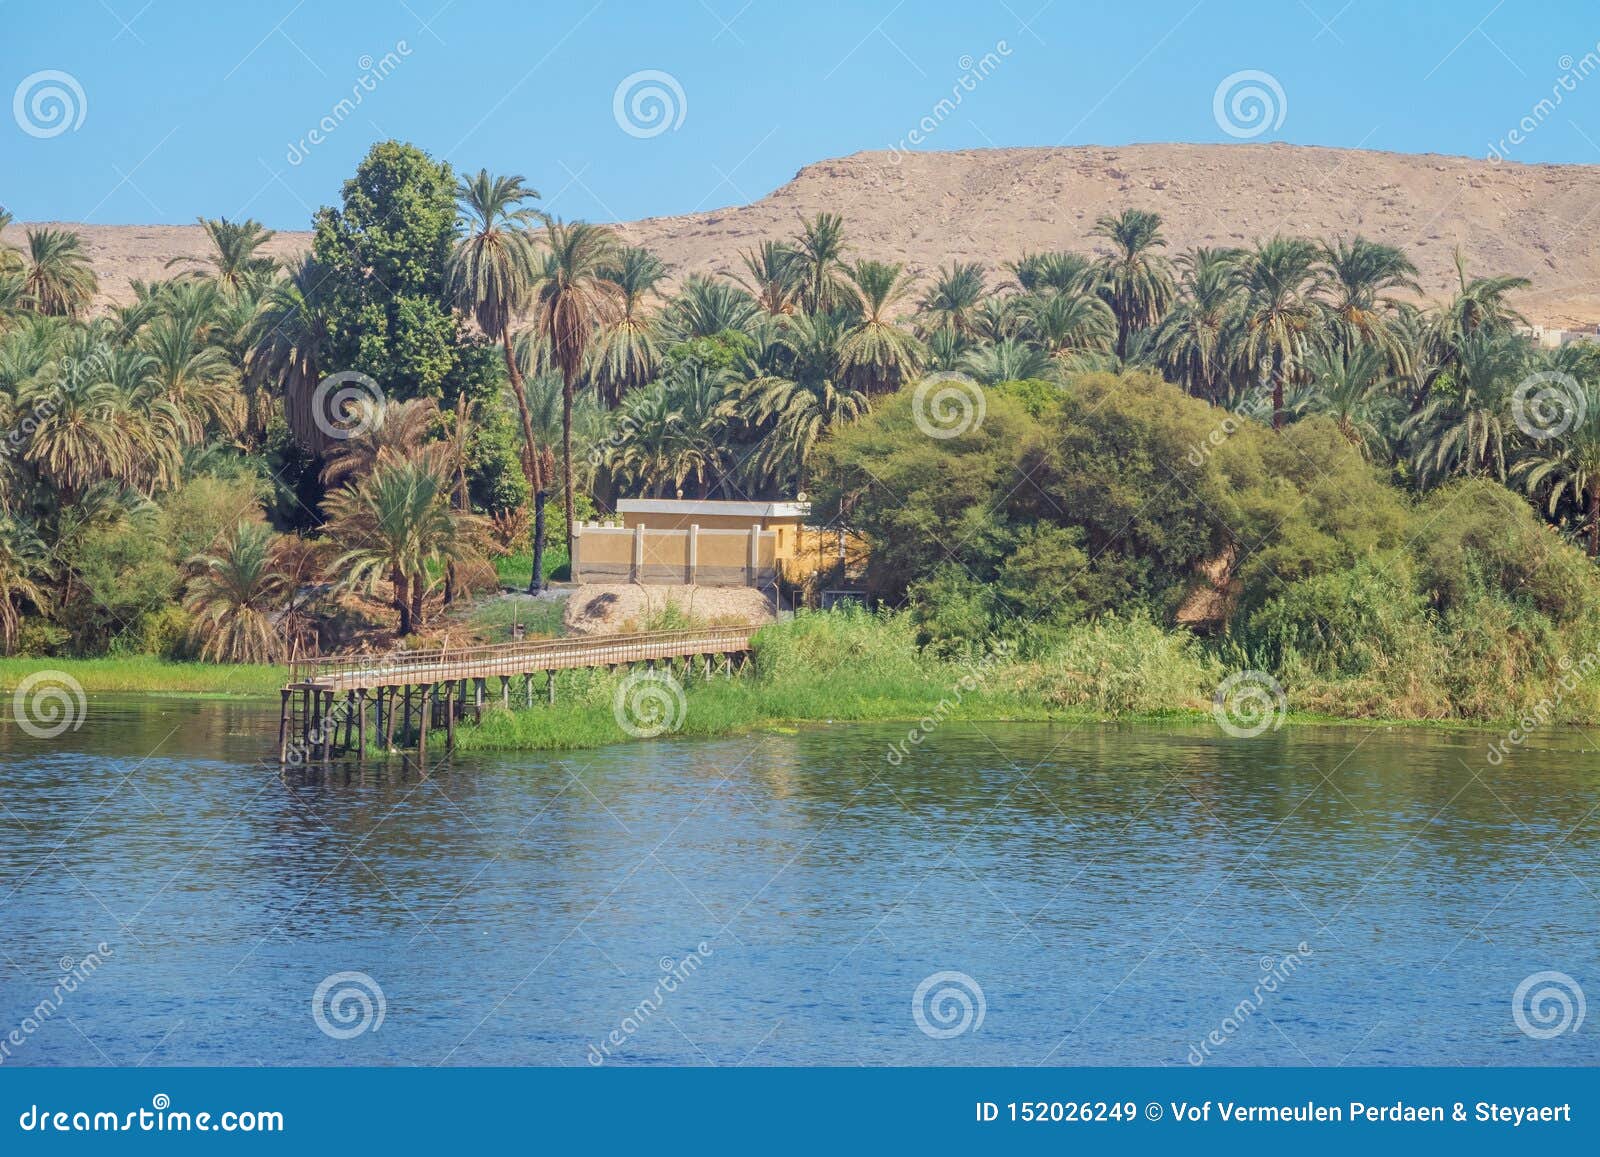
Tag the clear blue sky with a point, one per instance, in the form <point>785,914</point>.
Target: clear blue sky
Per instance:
<point>193,108</point>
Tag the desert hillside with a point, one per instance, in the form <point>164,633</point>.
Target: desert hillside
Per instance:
<point>990,205</point>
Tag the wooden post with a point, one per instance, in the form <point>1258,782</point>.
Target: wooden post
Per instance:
<point>505,692</point>
<point>327,725</point>
<point>527,688</point>
<point>305,715</point>
<point>405,724</point>
<point>361,723</point>
<point>422,722</point>
<point>283,726</point>
<point>349,718</point>
<point>388,720</point>
<point>550,687</point>
<point>449,716</point>
<point>479,690</point>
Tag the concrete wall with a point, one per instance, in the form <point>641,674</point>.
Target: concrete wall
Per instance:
<point>697,555</point>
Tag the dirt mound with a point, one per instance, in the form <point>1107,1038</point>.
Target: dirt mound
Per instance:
<point>604,609</point>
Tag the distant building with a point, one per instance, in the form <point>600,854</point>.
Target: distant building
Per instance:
<point>709,543</point>
<point>1551,338</point>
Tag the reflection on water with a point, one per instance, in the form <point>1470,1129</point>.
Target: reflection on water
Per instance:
<point>1118,894</point>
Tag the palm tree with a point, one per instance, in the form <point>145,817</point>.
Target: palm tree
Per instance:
<point>492,271</point>
<point>77,440</point>
<point>25,568</point>
<point>59,280</point>
<point>952,300</point>
<point>236,597</point>
<point>1000,318</point>
<point>288,346</point>
<point>708,307</point>
<point>819,263</point>
<point>1069,322</point>
<point>1008,361</point>
<point>1279,315</point>
<point>1360,274</point>
<point>1469,430</point>
<point>397,431</point>
<point>1569,466</point>
<point>1479,305</point>
<point>196,376</point>
<point>775,277</point>
<point>1355,391</point>
<point>878,351</point>
<point>233,256</point>
<point>795,409</point>
<point>1194,344</point>
<point>572,300</point>
<point>1059,272</point>
<point>626,353</point>
<point>391,525</point>
<point>1135,280</point>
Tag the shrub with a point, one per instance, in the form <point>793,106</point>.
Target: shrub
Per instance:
<point>1117,665</point>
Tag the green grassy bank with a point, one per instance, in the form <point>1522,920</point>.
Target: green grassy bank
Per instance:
<point>856,667</point>
<point>143,673</point>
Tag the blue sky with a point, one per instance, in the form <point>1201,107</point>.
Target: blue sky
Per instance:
<point>206,108</point>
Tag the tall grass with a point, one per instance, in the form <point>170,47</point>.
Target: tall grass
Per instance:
<point>145,673</point>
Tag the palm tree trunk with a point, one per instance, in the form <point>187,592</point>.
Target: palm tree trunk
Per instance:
<point>461,451</point>
<point>1277,389</point>
<point>566,455</point>
<point>419,588</point>
<point>401,603</point>
<point>1594,519</point>
<point>519,390</point>
<point>536,579</point>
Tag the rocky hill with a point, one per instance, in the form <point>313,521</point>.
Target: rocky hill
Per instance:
<point>990,205</point>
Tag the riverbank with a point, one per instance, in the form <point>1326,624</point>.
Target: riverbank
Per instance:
<point>142,673</point>
<point>851,666</point>
<point>859,668</point>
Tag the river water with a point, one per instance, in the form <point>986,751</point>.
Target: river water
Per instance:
<point>1063,895</point>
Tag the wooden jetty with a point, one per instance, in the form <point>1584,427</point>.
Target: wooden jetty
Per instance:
<point>347,703</point>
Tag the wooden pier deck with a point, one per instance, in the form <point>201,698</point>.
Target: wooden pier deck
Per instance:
<point>406,692</point>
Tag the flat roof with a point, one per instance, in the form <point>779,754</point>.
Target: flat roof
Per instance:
<point>686,506</point>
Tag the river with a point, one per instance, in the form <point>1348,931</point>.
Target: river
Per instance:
<point>1108,895</point>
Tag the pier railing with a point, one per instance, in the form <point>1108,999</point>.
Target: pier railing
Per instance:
<point>400,667</point>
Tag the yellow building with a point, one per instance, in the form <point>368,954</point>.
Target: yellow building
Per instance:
<point>669,540</point>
